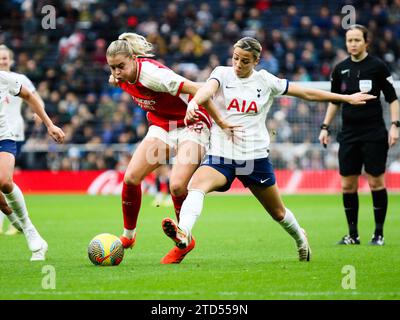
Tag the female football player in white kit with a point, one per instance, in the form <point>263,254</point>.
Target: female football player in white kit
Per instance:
<point>244,96</point>
<point>9,84</point>
<point>12,110</point>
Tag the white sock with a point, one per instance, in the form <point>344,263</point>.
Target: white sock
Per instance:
<point>129,233</point>
<point>13,219</point>
<point>2,215</point>
<point>290,224</point>
<point>191,210</point>
<point>15,200</point>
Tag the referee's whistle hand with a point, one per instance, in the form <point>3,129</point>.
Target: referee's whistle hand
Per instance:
<point>324,138</point>
<point>393,136</point>
<point>360,98</point>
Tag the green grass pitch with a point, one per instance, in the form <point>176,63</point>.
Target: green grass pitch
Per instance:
<point>241,253</point>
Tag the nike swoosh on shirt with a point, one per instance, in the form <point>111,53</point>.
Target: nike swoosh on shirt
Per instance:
<point>262,181</point>
<point>229,87</point>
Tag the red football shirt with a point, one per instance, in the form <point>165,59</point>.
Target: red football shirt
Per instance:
<point>157,90</point>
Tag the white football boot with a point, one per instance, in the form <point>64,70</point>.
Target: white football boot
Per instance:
<point>33,238</point>
<point>40,255</point>
<point>304,249</point>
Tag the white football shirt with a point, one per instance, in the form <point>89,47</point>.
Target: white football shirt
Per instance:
<point>9,85</point>
<point>160,79</point>
<point>12,108</point>
<point>245,102</point>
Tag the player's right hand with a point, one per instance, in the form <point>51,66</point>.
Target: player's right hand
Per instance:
<point>191,112</point>
<point>233,131</point>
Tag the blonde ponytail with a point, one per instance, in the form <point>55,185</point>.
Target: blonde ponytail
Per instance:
<point>130,44</point>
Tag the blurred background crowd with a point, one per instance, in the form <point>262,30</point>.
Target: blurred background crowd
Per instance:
<point>302,41</point>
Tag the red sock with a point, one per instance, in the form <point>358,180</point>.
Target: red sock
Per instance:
<point>178,204</point>
<point>131,200</point>
<point>163,187</point>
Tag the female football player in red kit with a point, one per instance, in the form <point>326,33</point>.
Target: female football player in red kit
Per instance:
<point>164,95</point>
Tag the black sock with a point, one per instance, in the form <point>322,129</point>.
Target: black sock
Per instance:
<point>380,202</point>
<point>350,203</point>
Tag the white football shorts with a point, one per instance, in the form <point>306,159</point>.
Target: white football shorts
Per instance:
<point>198,133</point>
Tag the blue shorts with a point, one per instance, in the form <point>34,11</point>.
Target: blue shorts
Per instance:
<point>19,146</point>
<point>258,172</point>
<point>9,146</point>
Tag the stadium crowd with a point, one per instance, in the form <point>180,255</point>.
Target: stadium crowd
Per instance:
<point>302,41</point>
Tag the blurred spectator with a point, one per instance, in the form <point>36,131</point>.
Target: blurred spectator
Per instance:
<point>268,62</point>
<point>99,54</point>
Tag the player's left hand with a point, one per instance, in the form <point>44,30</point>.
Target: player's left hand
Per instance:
<point>360,98</point>
<point>393,135</point>
<point>56,133</point>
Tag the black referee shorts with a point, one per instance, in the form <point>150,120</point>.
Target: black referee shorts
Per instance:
<point>371,154</point>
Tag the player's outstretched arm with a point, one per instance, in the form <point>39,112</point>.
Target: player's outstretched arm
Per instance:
<point>310,94</point>
<point>55,132</point>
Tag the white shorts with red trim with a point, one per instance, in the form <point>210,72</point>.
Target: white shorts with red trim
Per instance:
<point>198,133</point>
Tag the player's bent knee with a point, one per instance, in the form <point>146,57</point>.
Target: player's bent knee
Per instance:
<point>177,189</point>
<point>199,184</point>
<point>6,185</point>
<point>133,179</point>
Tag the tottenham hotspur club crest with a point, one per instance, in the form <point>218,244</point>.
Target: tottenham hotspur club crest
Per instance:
<point>258,93</point>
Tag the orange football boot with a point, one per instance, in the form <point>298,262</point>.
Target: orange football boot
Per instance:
<point>183,245</point>
<point>128,243</point>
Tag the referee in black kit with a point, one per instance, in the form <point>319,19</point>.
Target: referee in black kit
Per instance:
<point>363,139</point>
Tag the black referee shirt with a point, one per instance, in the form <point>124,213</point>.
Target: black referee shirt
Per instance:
<point>363,122</point>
